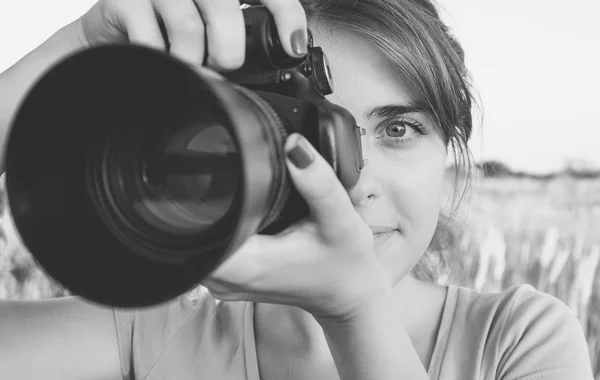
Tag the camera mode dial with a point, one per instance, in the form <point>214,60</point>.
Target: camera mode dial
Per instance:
<point>321,70</point>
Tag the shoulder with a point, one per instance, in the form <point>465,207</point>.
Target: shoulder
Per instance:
<point>532,334</point>
<point>533,312</point>
<point>536,318</point>
<point>519,305</point>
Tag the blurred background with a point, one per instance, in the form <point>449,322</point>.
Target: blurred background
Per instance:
<point>533,211</point>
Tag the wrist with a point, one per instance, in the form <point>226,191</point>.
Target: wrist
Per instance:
<point>365,312</point>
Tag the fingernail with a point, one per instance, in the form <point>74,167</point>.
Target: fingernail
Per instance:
<point>301,155</point>
<point>299,42</point>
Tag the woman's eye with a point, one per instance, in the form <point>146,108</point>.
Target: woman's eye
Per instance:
<point>401,131</point>
<point>397,130</point>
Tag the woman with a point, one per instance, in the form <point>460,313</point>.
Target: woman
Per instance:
<point>344,294</point>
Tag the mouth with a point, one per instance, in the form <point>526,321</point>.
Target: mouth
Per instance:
<point>384,236</point>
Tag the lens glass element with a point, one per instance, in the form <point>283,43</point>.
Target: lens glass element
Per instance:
<point>193,180</point>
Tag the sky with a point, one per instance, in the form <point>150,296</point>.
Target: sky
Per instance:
<point>535,65</point>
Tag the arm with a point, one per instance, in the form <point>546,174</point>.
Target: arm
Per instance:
<point>57,339</point>
<point>15,81</point>
<point>373,345</point>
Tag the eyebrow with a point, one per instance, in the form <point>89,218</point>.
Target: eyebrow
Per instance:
<point>393,110</point>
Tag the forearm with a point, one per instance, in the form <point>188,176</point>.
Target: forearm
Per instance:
<point>374,345</point>
<point>15,81</point>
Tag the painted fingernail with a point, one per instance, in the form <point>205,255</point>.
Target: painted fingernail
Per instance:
<point>301,155</point>
<point>299,42</point>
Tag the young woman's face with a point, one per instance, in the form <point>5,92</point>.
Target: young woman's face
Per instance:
<point>401,188</point>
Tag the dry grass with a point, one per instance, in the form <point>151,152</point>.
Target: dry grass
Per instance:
<point>544,233</point>
<point>515,231</point>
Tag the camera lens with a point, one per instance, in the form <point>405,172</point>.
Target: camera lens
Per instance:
<point>143,176</point>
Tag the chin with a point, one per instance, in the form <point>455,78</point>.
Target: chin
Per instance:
<point>396,255</point>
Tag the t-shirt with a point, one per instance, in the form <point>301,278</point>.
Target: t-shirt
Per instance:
<point>517,334</point>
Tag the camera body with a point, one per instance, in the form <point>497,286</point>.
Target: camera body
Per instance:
<point>296,89</point>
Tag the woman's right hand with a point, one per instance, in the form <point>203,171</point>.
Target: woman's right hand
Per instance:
<point>193,27</point>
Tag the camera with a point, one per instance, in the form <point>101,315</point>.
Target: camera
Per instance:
<point>132,176</point>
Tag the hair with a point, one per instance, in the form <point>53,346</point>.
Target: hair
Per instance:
<point>420,47</point>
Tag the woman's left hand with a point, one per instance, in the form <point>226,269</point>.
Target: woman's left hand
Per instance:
<point>324,264</point>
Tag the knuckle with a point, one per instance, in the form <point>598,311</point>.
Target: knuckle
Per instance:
<point>229,54</point>
<point>220,8</point>
<point>289,7</point>
<point>115,5</point>
<point>228,48</point>
<point>226,61</point>
<point>327,187</point>
<point>290,11</point>
<point>188,24</point>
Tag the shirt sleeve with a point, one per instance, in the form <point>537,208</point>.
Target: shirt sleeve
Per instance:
<point>542,340</point>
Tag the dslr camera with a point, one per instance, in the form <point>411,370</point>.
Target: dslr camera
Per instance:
<point>131,176</point>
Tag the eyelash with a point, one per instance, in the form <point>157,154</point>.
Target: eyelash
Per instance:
<point>418,127</point>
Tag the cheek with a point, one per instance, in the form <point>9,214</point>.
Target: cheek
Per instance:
<point>418,196</point>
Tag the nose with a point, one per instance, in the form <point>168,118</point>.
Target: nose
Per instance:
<point>367,189</point>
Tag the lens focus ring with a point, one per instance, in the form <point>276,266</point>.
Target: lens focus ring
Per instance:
<point>277,135</point>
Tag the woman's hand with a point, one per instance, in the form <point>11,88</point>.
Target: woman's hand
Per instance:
<point>193,27</point>
<point>325,264</point>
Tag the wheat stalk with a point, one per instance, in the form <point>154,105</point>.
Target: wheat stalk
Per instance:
<point>525,253</point>
<point>581,291</point>
<point>498,254</point>
<point>558,265</point>
<point>485,253</point>
<point>549,247</point>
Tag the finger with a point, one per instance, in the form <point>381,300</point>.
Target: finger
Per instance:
<point>290,20</point>
<point>318,184</point>
<point>226,33</point>
<point>185,28</point>
<point>205,71</point>
<point>142,26</point>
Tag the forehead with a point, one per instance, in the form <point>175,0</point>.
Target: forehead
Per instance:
<point>362,76</point>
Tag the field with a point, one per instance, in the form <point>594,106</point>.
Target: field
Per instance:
<point>544,233</point>
<point>511,231</point>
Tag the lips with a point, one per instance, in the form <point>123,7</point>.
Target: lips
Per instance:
<point>377,229</point>
<point>383,234</point>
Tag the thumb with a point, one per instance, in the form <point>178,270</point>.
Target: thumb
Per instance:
<point>318,184</point>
